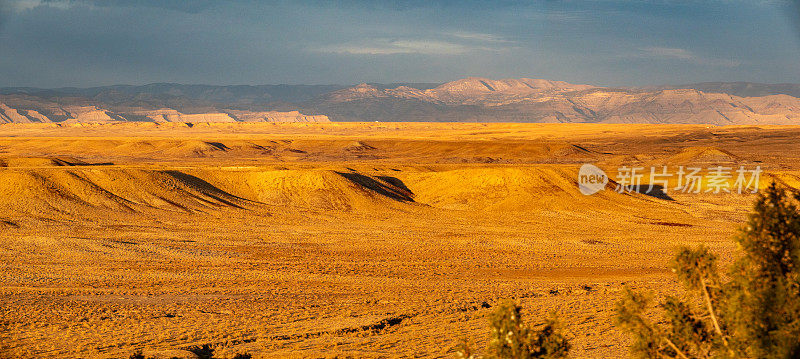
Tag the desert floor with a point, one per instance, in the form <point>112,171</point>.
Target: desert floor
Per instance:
<point>344,239</point>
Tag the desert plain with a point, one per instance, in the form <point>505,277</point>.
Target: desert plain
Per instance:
<point>345,239</point>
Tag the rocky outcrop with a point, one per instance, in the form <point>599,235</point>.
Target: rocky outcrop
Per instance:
<point>87,114</point>
<point>44,111</point>
<point>275,116</point>
<point>475,90</point>
<point>35,116</point>
<point>170,115</point>
<point>10,115</point>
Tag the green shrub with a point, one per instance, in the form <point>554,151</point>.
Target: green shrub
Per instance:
<point>755,313</point>
<point>512,339</point>
<point>202,352</point>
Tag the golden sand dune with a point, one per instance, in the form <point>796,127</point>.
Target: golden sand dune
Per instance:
<point>70,191</point>
<point>315,190</point>
<point>540,188</point>
<point>703,155</point>
<point>33,190</point>
<point>36,162</point>
<point>367,240</point>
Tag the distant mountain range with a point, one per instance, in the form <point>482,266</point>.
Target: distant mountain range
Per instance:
<point>742,89</point>
<point>467,100</point>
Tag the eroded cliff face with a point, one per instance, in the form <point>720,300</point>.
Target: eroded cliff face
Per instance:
<point>276,116</point>
<point>29,110</point>
<point>10,115</point>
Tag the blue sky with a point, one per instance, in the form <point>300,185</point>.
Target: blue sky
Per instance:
<point>604,42</point>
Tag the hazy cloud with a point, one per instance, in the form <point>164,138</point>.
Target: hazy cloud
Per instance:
<point>389,47</point>
<point>669,52</point>
<point>686,55</point>
<point>462,42</point>
<point>22,5</point>
<point>193,6</point>
<point>51,43</point>
<point>477,36</point>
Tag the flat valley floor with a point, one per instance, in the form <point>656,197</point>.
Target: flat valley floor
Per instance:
<point>346,239</point>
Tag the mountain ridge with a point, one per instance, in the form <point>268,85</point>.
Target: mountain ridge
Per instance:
<point>472,99</point>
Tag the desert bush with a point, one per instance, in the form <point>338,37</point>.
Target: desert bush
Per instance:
<point>753,313</point>
<point>138,355</point>
<point>202,352</point>
<point>512,339</point>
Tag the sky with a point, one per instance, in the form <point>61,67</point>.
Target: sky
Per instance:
<point>83,43</point>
